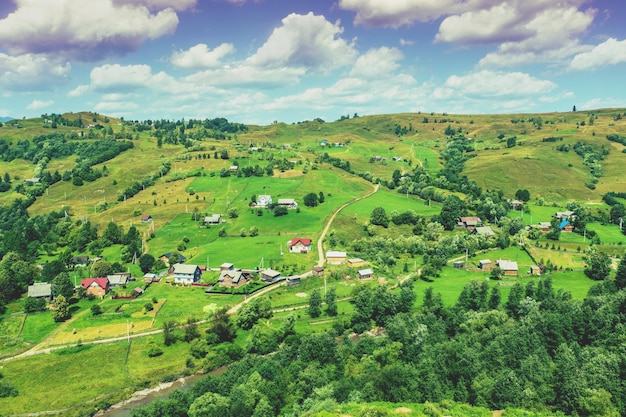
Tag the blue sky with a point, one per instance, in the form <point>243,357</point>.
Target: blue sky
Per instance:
<point>259,61</point>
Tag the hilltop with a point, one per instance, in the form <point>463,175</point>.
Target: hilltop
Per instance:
<point>400,196</point>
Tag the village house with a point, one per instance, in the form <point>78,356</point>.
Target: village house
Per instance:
<point>186,274</point>
<point>166,258</point>
<point>483,231</point>
<point>233,168</point>
<point>299,245</point>
<point>146,218</point>
<point>470,222</point>
<point>40,290</point>
<point>365,273</point>
<point>564,215</point>
<point>98,287</point>
<point>535,270</point>
<point>263,201</point>
<point>507,267</point>
<point>80,260</point>
<point>230,278</point>
<point>290,203</point>
<point>485,265</point>
<point>516,204</point>
<point>213,219</point>
<point>118,279</point>
<point>566,226</point>
<point>356,262</point>
<point>335,257</point>
<point>269,275</point>
<point>148,278</point>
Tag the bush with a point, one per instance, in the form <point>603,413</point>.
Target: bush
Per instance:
<point>7,390</point>
<point>148,307</point>
<point>96,310</point>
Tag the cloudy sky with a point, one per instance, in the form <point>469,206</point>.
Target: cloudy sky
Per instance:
<point>257,61</point>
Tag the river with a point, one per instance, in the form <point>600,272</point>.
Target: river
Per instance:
<point>160,392</point>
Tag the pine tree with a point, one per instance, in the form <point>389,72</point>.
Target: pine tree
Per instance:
<point>331,302</point>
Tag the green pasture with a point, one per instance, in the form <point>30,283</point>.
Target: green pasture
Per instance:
<point>390,201</point>
<point>10,330</point>
<point>608,233</point>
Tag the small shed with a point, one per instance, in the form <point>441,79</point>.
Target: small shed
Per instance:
<point>317,271</point>
<point>335,257</point>
<point>293,280</point>
<point>485,265</point>
<point>535,270</point>
<point>365,273</point>
<point>227,266</point>
<point>149,277</point>
<point>356,262</point>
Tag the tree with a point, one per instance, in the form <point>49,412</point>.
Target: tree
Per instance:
<point>522,195</point>
<point>496,273</point>
<point>112,233</point>
<point>62,285</point>
<point>321,197</point>
<point>280,211</point>
<point>597,264</point>
<point>315,304</point>
<point>169,338</point>
<point>254,231</point>
<point>250,313</point>
<point>102,268</point>
<point>191,330</point>
<point>222,326</point>
<point>61,310</point>
<point>33,305</point>
<point>210,405</point>
<point>574,109</point>
<point>511,142</point>
<point>96,310</point>
<point>620,276</point>
<point>311,200</point>
<point>146,262</point>
<point>379,217</point>
<point>331,302</point>
<point>451,209</point>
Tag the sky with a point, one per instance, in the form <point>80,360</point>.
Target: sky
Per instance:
<point>261,61</point>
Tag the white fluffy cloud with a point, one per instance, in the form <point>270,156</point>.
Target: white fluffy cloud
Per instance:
<point>305,41</point>
<point>610,52</point>
<point>200,56</point>
<point>396,13</point>
<point>247,76</point>
<point>377,63</point>
<point>490,84</point>
<point>83,30</point>
<point>31,72</point>
<point>39,104</point>
<point>159,4</point>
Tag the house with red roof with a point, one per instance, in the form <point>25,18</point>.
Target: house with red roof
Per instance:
<point>98,287</point>
<point>299,245</point>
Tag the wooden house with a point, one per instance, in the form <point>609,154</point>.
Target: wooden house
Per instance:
<point>227,266</point>
<point>289,203</point>
<point>232,278</point>
<point>485,265</point>
<point>356,262</point>
<point>317,271</point>
<point>535,270</point>
<point>335,257</point>
<point>118,279</point>
<point>470,222</point>
<point>40,290</point>
<point>508,267</point>
<point>365,273</point>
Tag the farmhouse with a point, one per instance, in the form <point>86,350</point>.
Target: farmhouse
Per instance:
<point>365,273</point>
<point>98,287</point>
<point>508,267</point>
<point>566,226</point>
<point>485,265</point>
<point>535,270</point>
<point>545,226</point>
<point>516,204</point>
<point>233,279</point>
<point>166,258</point>
<point>186,274</point>
<point>146,218</point>
<point>40,290</point>
<point>213,219</point>
<point>120,278</point>
<point>80,260</point>
<point>470,223</point>
<point>564,215</point>
<point>483,231</point>
<point>356,262</point>
<point>147,278</point>
<point>269,275</point>
<point>263,200</point>
<point>335,257</point>
<point>290,203</point>
<point>233,168</point>
<point>299,245</point>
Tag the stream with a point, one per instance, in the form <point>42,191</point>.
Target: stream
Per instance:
<point>160,392</point>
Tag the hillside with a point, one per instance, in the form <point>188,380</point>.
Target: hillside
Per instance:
<point>415,316</point>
